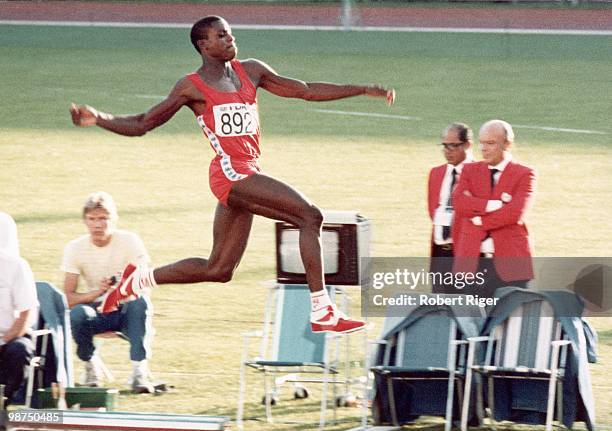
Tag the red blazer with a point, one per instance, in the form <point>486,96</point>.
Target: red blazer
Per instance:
<point>434,185</point>
<point>506,226</point>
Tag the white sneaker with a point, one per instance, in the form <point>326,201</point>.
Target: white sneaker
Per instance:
<point>141,379</point>
<point>92,373</point>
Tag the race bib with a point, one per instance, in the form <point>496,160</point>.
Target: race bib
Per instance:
<point>235,119</point>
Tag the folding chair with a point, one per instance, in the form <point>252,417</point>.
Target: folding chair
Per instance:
<point>98,341</point>
<point>294,353</point>
<point>37,362</point>
<point>423,351</point>
<point>527,346</point>
<point>53,361</point>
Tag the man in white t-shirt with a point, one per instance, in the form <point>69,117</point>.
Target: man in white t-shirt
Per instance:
<point>18,309</point>
<point>97,258</point>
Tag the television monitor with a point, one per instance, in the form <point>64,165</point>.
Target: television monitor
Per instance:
<point>345,239</point>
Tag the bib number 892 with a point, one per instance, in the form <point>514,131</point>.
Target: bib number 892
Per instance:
<point>235,119</point>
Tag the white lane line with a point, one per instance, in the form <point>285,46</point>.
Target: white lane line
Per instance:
<point>405,117</point>
<point>318,27</point>
<point>428,29</point>
<point>96,24</point>
<point>367,114</point>
<point>78,90</point>
<point>71,90</point>
<point>559,129</point>
<point>149,96</point>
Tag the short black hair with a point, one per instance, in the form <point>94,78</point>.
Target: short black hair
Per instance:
<point>199,29</point>
<point>463,131</point>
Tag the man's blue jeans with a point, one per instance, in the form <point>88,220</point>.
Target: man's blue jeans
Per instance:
<point>133,319</point>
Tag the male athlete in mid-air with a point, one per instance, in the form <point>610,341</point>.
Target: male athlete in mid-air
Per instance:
<point>222,95</point>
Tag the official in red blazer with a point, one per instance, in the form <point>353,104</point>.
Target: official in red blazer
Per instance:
<point>490,201</point>
<point>456,146</point>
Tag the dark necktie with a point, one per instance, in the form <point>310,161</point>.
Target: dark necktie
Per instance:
<point>446,229</point>
<point>493,172</point>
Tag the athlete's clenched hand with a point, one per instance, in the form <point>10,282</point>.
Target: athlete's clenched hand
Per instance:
<point>83,115</point>
<point>378,91</point>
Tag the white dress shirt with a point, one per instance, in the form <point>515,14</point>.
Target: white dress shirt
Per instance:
<point>444,197</point>
<point>487,245</point>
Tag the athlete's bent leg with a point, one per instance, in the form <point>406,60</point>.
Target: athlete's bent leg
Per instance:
<point>230,235</point>
<point>231,230</point>
<point>269,197</point>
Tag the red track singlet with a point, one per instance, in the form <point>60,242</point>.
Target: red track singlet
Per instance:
<point>231,123</point>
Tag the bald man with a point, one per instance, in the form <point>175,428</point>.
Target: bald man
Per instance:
<point>492,196</point>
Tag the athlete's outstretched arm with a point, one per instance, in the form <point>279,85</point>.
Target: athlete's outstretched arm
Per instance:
<point>265,77</point>
<point>134,125</point>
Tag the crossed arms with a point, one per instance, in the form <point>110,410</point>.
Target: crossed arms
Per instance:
<point>494,214</point>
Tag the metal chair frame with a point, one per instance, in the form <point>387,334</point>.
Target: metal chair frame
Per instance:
<point>554,373</point>
<point>38,361</point>
<point>108,375</point>
<point>291,373</point>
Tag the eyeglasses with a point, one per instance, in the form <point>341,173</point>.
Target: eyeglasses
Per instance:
<point>451,146</point>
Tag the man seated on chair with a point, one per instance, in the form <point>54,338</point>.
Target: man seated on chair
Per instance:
<point>98,258</point>
<point>18,309</point>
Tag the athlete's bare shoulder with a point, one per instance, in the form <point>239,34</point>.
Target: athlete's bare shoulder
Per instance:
<point>186,90</point>
<point>256,69</point>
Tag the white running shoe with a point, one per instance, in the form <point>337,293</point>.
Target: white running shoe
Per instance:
<point>92,373</point>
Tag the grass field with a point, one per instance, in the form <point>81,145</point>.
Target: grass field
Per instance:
<point>376,165</point>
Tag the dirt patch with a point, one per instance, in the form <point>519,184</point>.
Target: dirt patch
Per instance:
<point>310,15</point>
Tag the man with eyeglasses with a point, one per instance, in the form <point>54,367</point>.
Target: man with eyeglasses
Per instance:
<point>456,147</point>
<point>492,196</point>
